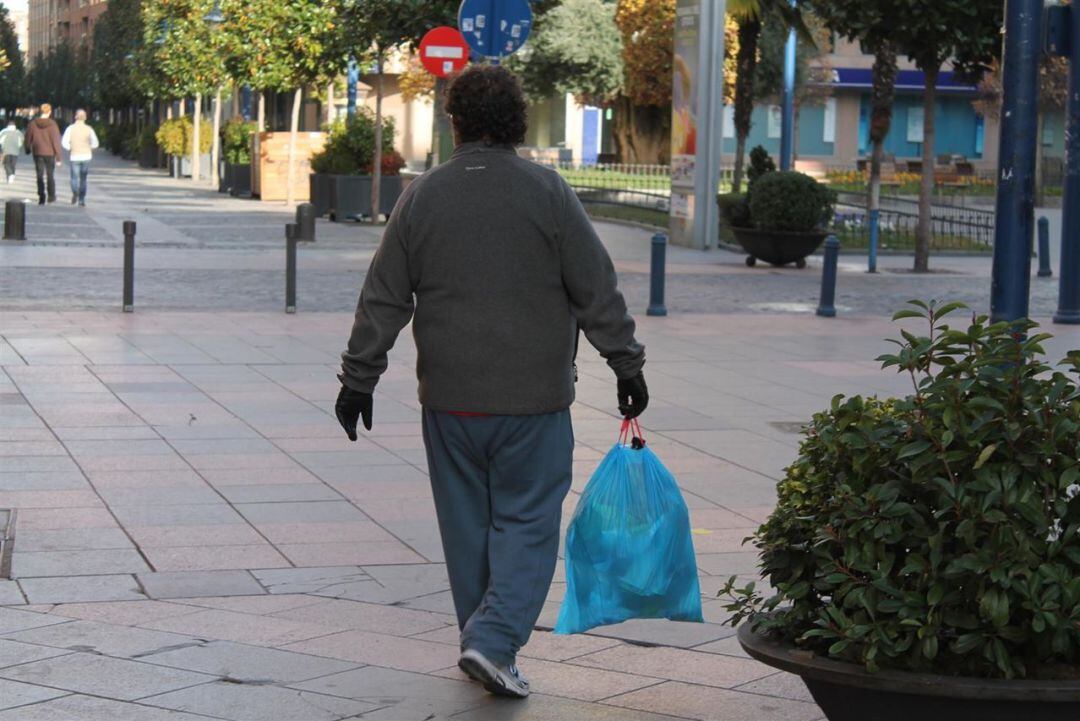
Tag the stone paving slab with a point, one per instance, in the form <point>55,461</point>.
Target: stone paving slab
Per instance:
<point>104,676</point>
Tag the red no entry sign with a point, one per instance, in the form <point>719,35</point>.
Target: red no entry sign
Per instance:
<point>444,51</point>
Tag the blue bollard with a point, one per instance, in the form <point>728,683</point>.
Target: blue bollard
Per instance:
<point>1044,248</point>
<point>656,276</point>
<point>827,308</point>
<point>875,220</point>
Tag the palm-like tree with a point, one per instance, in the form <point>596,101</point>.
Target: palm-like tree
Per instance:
<point>749,14</point>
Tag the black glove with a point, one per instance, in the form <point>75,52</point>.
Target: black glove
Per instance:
<point>633,396</point>
<point>352,405</point>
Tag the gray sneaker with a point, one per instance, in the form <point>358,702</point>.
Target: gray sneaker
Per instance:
<point>499,680</point>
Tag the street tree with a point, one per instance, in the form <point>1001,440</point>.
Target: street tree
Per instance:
<point>118,33</point>
<point>642,128</point>
<point>574,48</point>
<point>182,57</point>
<point>61,77</point>
<point>966,33</point>
<point>12,71</point>
<point>870,23</point>
<point>374,28</point>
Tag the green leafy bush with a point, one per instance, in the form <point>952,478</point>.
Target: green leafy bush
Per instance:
<point>350,145</point>
<point>760,164</point>
<point>790,201</point>
<point>236,140</point>
<point>936,532</point>
<point>175,136</point>
<point>734,209</point>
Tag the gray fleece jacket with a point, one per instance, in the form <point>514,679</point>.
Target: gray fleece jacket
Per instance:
<point>496,263</point>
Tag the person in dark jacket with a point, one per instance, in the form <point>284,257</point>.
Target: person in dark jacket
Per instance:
<point>495,262</point>
<point>43,142</point>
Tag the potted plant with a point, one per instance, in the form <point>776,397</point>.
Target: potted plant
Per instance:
<point>175,138</point>
<point>145,141</point>
<point>924,550</point>
<point>341,183</point>
<point>788,213</point>
<point>236,149</point>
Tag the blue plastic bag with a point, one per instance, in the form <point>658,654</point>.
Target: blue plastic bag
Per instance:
<point>629,553</point>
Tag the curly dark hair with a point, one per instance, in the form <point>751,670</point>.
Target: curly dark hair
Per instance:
<point>486,103</point>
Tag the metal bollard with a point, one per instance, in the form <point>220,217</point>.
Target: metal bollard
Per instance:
<point>129,266</point>
<point>290,267</point>
<point>826,307</point>
<point>875,229</point>
<point>656,276</point>
<point>1044,248</point>
<point>305,219</point>
<point>14,220</point>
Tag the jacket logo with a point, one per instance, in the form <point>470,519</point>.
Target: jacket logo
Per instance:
<point>475,167</point>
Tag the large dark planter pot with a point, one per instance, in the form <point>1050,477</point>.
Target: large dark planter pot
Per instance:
<point>148,156</point>
<point>320,192</point>
<point>847,692</point>
<point>350,196</point>
<point>778,247</point>
<point>239,179</point>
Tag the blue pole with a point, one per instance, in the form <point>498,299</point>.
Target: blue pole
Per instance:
<point>874,230</point>
<point>1069,292</point>
<point>787,118</point>
<point>1016,161</point>
<point>1044,248</point>
<point>353,77</point>
<point>827,307</point>
<point>656,276</point>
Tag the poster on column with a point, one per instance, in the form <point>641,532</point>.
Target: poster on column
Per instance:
<point>684,117</point>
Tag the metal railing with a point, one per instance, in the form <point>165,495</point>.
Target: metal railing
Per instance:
<point>938,210</point>
<point>898,229</point>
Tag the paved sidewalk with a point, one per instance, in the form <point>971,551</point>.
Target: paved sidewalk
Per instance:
<point>196,539</point>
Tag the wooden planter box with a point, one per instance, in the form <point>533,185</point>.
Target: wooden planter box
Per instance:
<point>350,196</point>
<point>270,167</point>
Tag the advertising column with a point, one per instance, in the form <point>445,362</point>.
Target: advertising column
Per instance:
<point>696,122</point>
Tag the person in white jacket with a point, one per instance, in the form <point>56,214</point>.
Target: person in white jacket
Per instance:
<point>79,140</point>
<point>11,144</point>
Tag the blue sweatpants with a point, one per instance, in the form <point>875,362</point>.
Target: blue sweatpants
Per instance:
<point>499,484</point>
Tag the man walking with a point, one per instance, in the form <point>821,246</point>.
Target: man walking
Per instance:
<point>497,265</point>
<point>79,140</point>
<point>11,144</point>
<point>43,142</point>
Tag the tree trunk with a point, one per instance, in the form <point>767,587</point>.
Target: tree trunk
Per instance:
<point>215,149</point>
<point>881,107</point>
<point>330,102</point>
<point>926,188</point>
<point>196,122</point>
<point>376,169</point>
<point>262,111</point>
<point>642,133</point>
<point>294,133</point>
<point>746,66</point>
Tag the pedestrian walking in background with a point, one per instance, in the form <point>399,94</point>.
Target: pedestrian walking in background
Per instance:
<point>43,142</point>
<point>11,144</point>
<point>494,260</point>
<point>79,140</point>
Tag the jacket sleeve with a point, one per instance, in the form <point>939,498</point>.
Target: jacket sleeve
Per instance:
<point>385,307</point>
<point>29,138</point>
<point>54,138</point>
<point>94,142</point>
<point>65,141</point>
<point>590,281</point>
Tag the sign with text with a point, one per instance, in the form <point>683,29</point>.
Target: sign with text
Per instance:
<point>495,28</point>
<point>443,51</point>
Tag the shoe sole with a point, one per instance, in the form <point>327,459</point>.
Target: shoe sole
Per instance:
<point>488,676</point>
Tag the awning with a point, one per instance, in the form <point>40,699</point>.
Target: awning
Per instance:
<point>906,80</point>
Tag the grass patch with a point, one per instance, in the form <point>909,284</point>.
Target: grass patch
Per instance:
<point>628,213</point>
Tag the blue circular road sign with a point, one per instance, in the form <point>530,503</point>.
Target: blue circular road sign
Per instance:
<point>495,28</point>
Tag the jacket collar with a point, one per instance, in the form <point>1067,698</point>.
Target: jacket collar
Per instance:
<point>480,146</point>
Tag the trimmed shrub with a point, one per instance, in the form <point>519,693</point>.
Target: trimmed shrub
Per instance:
<point>792,202</point>
<point>350,146</point>
<point>175,136</point>
<point>760,164</point>
<point>236,140</point>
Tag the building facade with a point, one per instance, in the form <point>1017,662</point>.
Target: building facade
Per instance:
<point>55,21</point>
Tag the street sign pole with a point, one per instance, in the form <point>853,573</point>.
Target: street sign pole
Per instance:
<point>1014,231</point>
<point>787,119</point>
<point>697,122</point>
<point>352,78</point>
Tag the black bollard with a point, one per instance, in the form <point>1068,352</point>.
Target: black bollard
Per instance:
<point>14,220</point>
<point>290,267</point>
<point>656,276</point>
<point>1044,248</point>
<point>129,266</point>
<point>305,219</point>
<point>826,308</point>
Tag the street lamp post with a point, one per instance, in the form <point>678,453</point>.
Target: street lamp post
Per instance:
<point>787,118</point>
